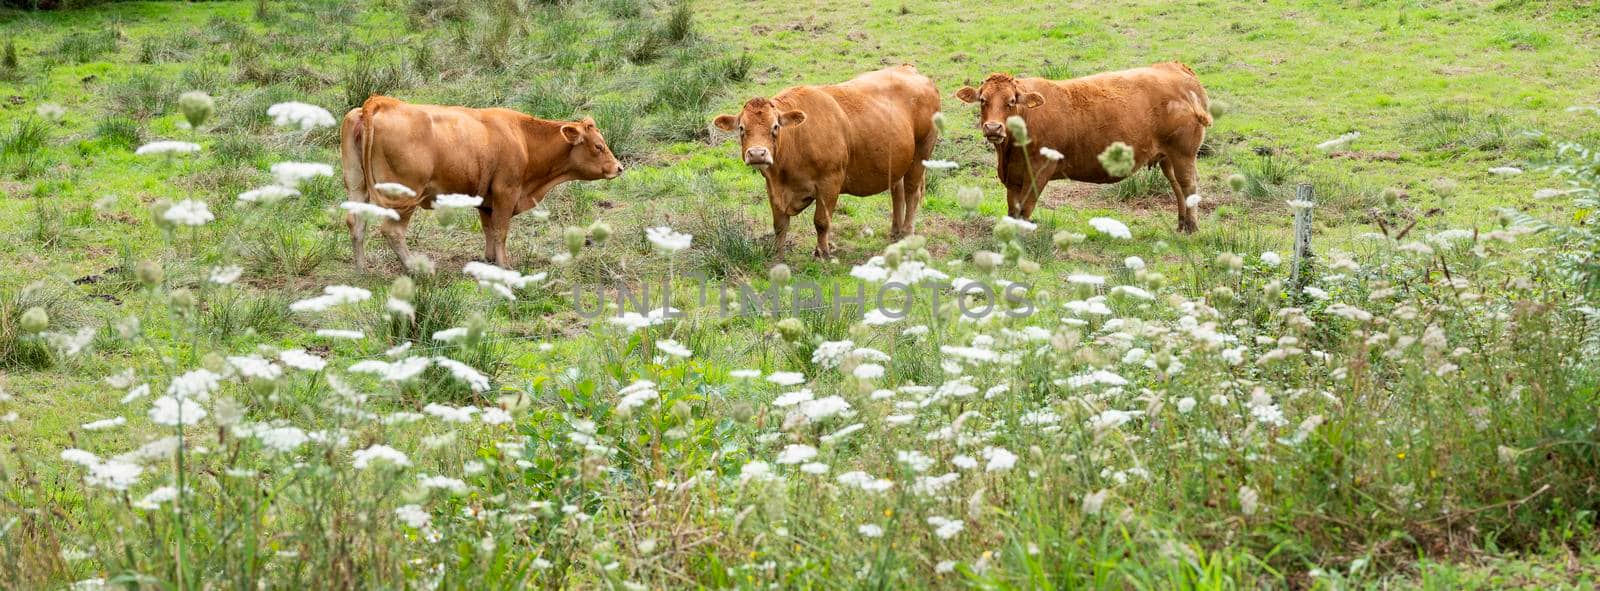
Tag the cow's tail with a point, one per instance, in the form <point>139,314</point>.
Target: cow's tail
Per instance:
<point>368,110</point>
<point>352,139</point>
<point>1201,107</point>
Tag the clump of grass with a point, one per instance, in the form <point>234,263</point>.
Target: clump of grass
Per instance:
<point>10,65</point>
<point>680,23</point>
<point>624,9</point>
<point>120,132</point>
<point>248,112</point>
<point>619,120</point>
<point>287,250</point>
<point>370,75</point>
<point>204,78</point>
<point>232,312</point>
<point>437,10</point>
<point>86,46</point>
<point>160,49</point>
<point>237,149</point>
<point>556,96</point>
<point>638,42</point>
<point>1454,129</point>
<point>19,350</point>
<point>47,226</point>
<point>22,148</point>
<point>723,246</point>
<point>493,43</point>
<point>1267,173</point>
<point>1147,182</point>
<point>142,97</point>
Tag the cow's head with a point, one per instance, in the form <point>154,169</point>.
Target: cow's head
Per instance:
<point>998,97</point>
<point>590,157</point>
<point>758,125</point>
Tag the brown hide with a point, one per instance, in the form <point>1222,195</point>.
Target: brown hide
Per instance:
<point>862,137</point>
<point>1160,111</point>
<point>509,159</point>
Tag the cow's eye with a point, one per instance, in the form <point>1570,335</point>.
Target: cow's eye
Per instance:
<point>741,129</point>
<point>774,129</point>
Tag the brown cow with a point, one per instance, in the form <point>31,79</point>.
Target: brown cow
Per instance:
<point>510,159</point>
<point>1161,111</point>
<point>862,137</point>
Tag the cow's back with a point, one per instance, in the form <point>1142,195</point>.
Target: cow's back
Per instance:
<point>1143,107</point>
<point>443,149</point>
<point>877,118</point>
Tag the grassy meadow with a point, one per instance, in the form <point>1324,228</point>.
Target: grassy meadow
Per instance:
<point>184,406</point>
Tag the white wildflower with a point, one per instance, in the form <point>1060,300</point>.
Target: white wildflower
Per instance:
<point>291,174</point>
<point>456,201</point>
<point>302,115</point>
<point>1110,227</point>
<point>378,454</point>
<point>168,147</point>
<point>189,212</point>
<point>666,241</point>
<point>370,211</point>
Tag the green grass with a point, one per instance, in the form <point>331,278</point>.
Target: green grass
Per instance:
<point>1402,486</point>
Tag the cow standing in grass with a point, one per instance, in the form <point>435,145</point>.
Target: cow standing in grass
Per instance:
<point>509,159</point>
<point>1160,111</point>
<point>862,137</point>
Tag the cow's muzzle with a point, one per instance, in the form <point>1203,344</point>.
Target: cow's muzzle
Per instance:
<point>758,157</point>
<point>995,132</point>
<point>615,172</point>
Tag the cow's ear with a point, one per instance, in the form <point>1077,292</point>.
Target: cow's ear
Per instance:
<point>967,94</point>
<point>573,135</point>
<point>725,122</point>
<point>792,118</point>
<point>1032,99</point>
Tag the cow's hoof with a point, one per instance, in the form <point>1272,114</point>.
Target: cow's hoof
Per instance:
<point>821,254</point>
<point>1187,226</point>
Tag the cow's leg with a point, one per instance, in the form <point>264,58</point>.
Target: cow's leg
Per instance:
<point>486,221</point>
<point>495,233</point>
<point>350,133</point>
<point>394,231</point>
<point>780,228</point>
<point>915,183</point>
<point>358,240</point>
<point>823,218</point>
<point>1180,172</point>
<point>1014,198</point>
<point>1042,171</point>
<point>897,193</point>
